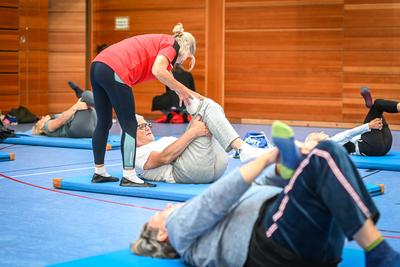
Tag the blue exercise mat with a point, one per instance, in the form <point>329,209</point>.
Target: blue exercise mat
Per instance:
<point>25,138</point>
<point>165,191</point>
<point>124,258</point>
<point>390,162</point>
<point>6,156</point>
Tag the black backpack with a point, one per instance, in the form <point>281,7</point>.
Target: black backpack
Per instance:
<point>5,132</point>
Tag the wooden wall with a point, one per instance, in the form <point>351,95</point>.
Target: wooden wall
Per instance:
<point>9,46</point>
<point>302,61</point>
<point>67,42</point>
<point>24,55</point>
<point>305,61</point>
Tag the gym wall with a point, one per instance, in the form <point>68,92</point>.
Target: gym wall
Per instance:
<point>302,62</point>
<point>24,55</point>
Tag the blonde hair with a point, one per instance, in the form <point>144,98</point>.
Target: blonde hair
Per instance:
<point>37,131</point>
<point>183,39</point>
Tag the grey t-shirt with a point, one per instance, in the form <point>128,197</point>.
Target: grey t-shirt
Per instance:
<point>60,132</point>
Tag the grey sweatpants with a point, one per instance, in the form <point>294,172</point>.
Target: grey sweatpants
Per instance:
<point>83,124</point>
<point>205,159</point>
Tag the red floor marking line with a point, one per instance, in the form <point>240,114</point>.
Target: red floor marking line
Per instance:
<point>102,200</point>
<point>395,237</point>
<point>6,147</point>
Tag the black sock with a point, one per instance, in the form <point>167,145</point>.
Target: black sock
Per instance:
<point>76,88</point>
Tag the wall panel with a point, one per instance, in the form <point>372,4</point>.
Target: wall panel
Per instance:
<point>275,3</point>
<point>9,40</point>
<point>9,62</point>
<point>284,62</point>
<point>284,39</point>
<point>67,22</point>
<point>371,63</point>
<point>265,85</point>
<point>9,84</point>
<point>372,15</point>
<point>110,5</point>
<point>8,18</point>
<point>282,108</point>
<point>381,86</point>
<point>9,3</point>
<point>66,57</point>
<point>372,39</point>
<point>285,17</point>
<point>8,102</point>
<point>161,20</point>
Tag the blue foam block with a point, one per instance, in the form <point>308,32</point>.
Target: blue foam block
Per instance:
<point>26,138</point>
<point>374,189</point>
<point>388,162</point>
<point>165,191</point>
<point>5,156</point>
<point>124,258</point>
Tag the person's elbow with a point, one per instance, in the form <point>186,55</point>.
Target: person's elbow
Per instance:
<point>157,71</point>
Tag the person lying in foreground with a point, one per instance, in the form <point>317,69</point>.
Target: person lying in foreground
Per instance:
<point>198,156</point>
<point>235,224</point>
<point>374,137</point>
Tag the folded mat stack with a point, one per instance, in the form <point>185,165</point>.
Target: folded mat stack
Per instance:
<point>6,156</point>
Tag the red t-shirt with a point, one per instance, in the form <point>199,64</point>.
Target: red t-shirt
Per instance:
<point>132,59</point>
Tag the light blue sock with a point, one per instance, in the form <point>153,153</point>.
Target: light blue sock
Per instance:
<point>290,154</point>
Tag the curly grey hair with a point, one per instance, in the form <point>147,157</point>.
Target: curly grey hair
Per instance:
<point>148,245</point>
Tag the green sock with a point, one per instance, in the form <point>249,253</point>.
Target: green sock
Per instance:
<point>374,244</point>
<point>283,137</point>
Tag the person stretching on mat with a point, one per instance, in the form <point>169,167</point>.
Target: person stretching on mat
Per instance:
<point>199,156</point>
<point>77,122</point>
<point>130,62</point>
<point>374,137</point>
<point>235,224</point>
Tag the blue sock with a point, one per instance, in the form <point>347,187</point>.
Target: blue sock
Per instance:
<point>290,154</point>
<point>382,256</point>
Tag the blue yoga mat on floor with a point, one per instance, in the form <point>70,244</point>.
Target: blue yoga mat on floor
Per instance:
<point>165,191</point>
<point>5,156</point>
<point>26,138</point>
<point>124,258</point>
<point>390,162</point>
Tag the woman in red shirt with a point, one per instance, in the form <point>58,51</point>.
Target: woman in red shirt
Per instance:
<point>133,61</point>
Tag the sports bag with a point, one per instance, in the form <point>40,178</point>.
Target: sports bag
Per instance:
<point>259,140</point>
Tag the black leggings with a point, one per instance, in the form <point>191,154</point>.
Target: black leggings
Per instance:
<point>109,94</point>
<point>378,142</point>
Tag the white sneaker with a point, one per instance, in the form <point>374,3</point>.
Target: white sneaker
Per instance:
<point>248,152</point>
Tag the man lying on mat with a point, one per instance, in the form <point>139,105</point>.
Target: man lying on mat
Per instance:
<point>77,122</point>
<point>374,137</point>
<point>199,156</point>
<point>235,224</point>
